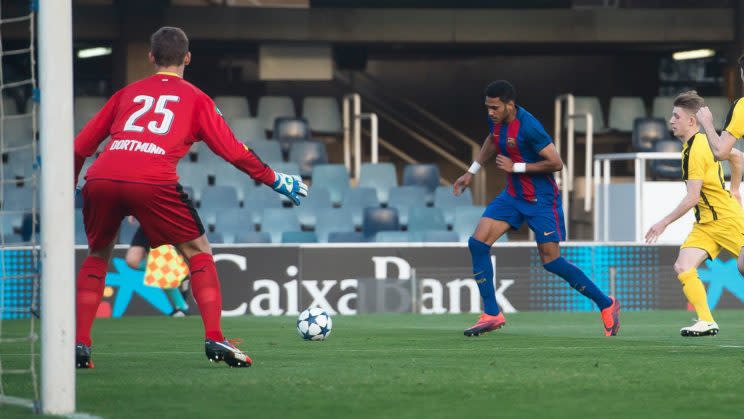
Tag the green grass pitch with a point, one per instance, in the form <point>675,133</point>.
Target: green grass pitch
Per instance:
<point>410,366</point>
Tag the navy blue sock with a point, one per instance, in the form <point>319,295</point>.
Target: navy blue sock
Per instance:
<point>576,278</point>
<point>483,274</point>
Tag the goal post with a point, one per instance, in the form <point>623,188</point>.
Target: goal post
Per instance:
<point>57,207</point>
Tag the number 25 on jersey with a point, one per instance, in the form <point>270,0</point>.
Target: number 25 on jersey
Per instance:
<point>160,108</point>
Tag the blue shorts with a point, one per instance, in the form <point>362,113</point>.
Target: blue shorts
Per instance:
<point>544,217</point>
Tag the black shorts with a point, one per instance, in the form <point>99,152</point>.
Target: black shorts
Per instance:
<point>140,240</point>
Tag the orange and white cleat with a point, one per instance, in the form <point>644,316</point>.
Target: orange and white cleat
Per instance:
<point>611,318</point>
<point>227,351</point>
<point>485,324</point>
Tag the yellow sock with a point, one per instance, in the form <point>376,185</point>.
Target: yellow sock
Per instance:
<point>694,290</point>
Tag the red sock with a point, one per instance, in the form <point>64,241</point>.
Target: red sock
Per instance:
<point>206,289</point>
<point>91,281</point>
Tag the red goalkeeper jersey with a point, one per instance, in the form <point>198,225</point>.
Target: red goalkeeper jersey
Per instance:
<point>153,123</point>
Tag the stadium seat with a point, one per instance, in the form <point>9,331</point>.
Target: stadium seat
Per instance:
<point>80,237</point>
<point>89,104</point>
<point>425,218</point>
<point>233,106</point>
<point>625,110</point>
<point>268,150</point>
<point>299,237</point>
<point>392,237</point>
<point>12,238</point>
<point>307,154</point>
<point>466,219</point>
<point>323,114</point>
<point>662,107</point>
<point>588,104</point>
<point>278,220</point>
<point>719,107</point>
<point>219,197</point>
<point>333,177</point>
<point>18,132</point>
<point>231,222</point>
<point>380,176</point>
<point>425,175</point>
<point>445,199</point>
<point>667,169</point>
<point>253,237</point>
<point>215,238</point>
<point>334,220</point>
<point>228,175</point>
<point>127,230</point>
<point>9,106</point>
<point>27,226</point>
<point>22,161</point>
<point>346,237</point>
<point>356,200</point>
<point>192,175</point>
<point>258,199</point>
<point>291,129</point>
<point>317,202</point>
<point>18,198</point>
<point>405,197</point>
<point>272,107</point>
<point>247,129</point>
<point>647,131</point>
<point>11,222</point>
<point>379,219</point>
<point>438,236</point>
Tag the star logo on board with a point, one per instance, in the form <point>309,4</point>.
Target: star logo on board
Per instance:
<point>129,282</point>
<point>722,275</point>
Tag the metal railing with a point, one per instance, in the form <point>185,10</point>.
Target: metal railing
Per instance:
<point>602,170</point>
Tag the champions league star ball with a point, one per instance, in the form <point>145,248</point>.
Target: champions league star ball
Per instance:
<point>314,324</point>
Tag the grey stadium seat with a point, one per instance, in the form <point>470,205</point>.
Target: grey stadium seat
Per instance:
<point>272,107</point>
<point>624,111</point>
<point>406,197</point>
<point>307,154</point>
<point>445,199</point>
<point>590,104</point>
<point>278,220</point>
<point>233,106</point>
<point>334,220</point>
<point>380,176</point>
<point>247,129</point>
<point>333,177</point>
<point>323,114</point>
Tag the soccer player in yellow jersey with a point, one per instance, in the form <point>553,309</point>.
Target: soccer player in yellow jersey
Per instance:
<point>719,218</point>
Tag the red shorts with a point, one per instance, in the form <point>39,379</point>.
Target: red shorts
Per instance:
<point>165,212</point>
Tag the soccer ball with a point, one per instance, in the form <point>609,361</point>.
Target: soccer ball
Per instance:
<point>314,324</point>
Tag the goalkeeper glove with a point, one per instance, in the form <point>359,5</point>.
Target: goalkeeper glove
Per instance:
<point>291,186</point>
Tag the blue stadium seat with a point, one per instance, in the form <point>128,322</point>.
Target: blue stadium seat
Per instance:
<point>667,169</point>
<point>299,237</point>
<point>405,197</point>
<point>323,114</point>
<point>12,238</point>
<point>272,107</point>
<point>231,222</point>
<point>392,237</point>
<point>253,237</point>
<point>27,226</point>
<point>215,238</point>
<point>278,220</point>
<point>307,154</point>
<point>346,237</point>
<point>380,176</point>
<point>233,107</point>
<point>11,222</point>
<point>334,220</point>
<point>219,197</point>
<point>379,219</point>
<point>438,236</point>
<point>268,150</point>
<point>18,131</point>
<point>247,129</point>
<point>258,199</point>
<point>426,218</point>
<point>22,161</point>
<point>193,176</point>
<point>291,129</point>
<point>333,177</point>
<point>317,202</point>
<point>18,198</point>
<point>425,175</point>
<point>356,200</point>
<point>466,219</point>
<point>228,175</point>
<point>445,199</point>
<point>127,230</point>
<point>647,131</point>
<point>80,237</point>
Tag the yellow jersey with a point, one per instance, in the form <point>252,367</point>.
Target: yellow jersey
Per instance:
<point>698,163</point>
<point>735,119</point>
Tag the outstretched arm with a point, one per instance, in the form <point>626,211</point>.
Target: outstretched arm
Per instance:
<point>551,162</point>
<point>486,152</point>
<point>688,202</point>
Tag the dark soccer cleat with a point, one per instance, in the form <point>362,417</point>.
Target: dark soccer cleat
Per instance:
<point>82,356</point>
<point>611,318</point>
<point>228,352</point>
<point>486,323</point>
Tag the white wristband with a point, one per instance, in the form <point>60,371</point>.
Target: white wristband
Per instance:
<point>474,167</point>
<point>520,167</point>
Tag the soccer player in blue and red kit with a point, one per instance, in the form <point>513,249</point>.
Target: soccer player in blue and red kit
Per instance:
<point>527,154</point>
<point>153,123</point>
